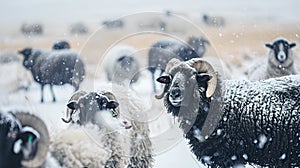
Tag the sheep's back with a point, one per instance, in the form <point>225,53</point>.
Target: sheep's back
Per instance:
<point>264,118</point>
<point>62,67</point>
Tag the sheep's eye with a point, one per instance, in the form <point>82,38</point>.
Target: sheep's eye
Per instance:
<point>114,113</point>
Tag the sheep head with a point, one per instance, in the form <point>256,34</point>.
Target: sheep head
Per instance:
<point>195,69</point>
<point>29,57</point>
<point>91,107</point>
<point>280,49</point>
<point>32,140</point>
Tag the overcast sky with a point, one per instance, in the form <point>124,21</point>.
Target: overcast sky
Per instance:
<point>15,11</point>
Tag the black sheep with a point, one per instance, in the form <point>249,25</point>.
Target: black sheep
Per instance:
<point>233,122</point>
<point>54,68</point>
<point>60,45</point>
<point>24,140</point>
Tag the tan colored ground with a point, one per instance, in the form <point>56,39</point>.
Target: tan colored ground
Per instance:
<point>230,43</point>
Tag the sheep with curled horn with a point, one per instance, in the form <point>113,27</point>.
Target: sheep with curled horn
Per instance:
<point>24,141</point>
<point>98,116</point>
<point>280,61</point>
<point>234,122</point>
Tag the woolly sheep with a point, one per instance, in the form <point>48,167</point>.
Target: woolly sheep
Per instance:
<point>32,29</point>
<point>234,122</point>
<point>98,109</point>
<point>121,64</point>
<point>54,68</point>
<point>280,61</point>
<point>18,78</point>
<point>133,106</point>
<point>24,141</point>
<point>162,51</point>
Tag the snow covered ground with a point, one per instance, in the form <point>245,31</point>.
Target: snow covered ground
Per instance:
<point>251,24</point>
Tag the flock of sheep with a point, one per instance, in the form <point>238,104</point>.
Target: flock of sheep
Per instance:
<point>227,122</point>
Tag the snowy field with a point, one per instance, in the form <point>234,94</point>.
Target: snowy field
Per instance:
<point>238,44</point>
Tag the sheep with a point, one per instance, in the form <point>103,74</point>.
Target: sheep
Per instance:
<point>234,122</point>
<point>110,24</point>
<point>8,56</point>
<point>122,65</point>
<point>18,79</point>
<point>32,29</point>
<point>24,141</point>
<point>54,68</point>
<point>78,28</point>
<point>60,45</point>
<point>280,61</point>
<point>215,21</point>
<point>99,109</point>
<point>133,106</point>
<point>162,51</point>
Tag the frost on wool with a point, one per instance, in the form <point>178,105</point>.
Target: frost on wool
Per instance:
<point>260,123</point>
<point>76,146</point>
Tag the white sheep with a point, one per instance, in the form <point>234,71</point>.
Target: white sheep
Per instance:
<point>280,61</point>
<point>121,64</point>
<point>100,120</point>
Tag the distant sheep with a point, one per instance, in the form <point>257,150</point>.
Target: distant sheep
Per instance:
<point>54,68</point>
<point>121,65</point>
<point>162,51</point>
<point>32,29</point>
<point>230,123</point>
<point>78,28</point>
<point>7,56</point>
<point>215,21</point>
<point>60,45</point>
<point>280,61</point>
<point>113,23</point>
<point>24,141</point>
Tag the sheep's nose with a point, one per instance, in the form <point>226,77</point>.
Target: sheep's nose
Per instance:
<point>175,93</point>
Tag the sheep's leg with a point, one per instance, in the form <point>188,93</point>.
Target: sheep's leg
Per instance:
<point>52,92</point>
<point>42,93</point>
<point>152,70</point>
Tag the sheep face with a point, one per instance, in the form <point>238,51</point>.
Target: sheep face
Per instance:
<point>184,87</point>
<point>280,49</point>
<point>100,110</point>
<point>125,63</point>
<point>28,62</point>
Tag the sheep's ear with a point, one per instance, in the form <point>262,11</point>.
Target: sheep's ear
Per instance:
<point>166,79</point>
<point>203,77</point>
<point>292,45</point>
<point>112,104</point>
<point>269,46</point>
<point>73,105</point>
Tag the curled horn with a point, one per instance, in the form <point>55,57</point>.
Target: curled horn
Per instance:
<point>74,98</point>
<point>35,122</point>
<point>173,62</point>
<point>203,66</point>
